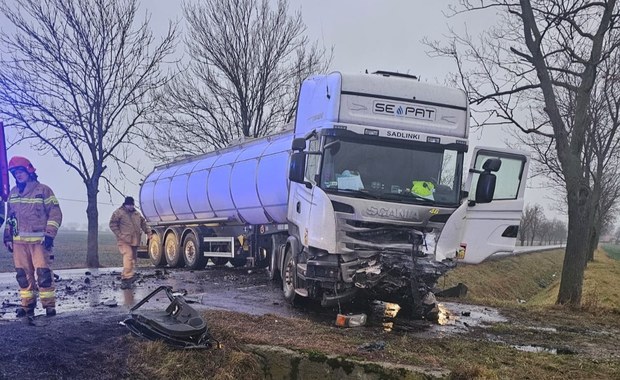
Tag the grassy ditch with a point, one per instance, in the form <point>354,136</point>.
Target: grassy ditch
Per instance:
<point>584,341</point>
<point>507,281</point>
<point>612,250</point>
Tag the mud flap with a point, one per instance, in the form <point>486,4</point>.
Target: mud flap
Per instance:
<point>179,325</point>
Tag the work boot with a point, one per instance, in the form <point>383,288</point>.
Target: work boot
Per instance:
<point>21,312</point>
<point>26,315</point>
<point>50,311</point>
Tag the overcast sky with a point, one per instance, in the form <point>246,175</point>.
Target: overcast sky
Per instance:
<point>366,35</point>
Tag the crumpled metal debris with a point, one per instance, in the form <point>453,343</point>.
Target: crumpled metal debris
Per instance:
<point>372,346</point>
<point>179,325</point>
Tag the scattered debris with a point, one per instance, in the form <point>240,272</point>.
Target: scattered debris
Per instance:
<point>372,346</point>
<point>466,313</point>
<point>351,320</point>
<point>179,325</point>
<point>87,280</point>
<point>7,303</point>
<point>458,291</point>
<point>110,303</point>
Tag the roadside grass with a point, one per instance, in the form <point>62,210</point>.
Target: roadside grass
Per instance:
<point>612,250</point>
<point>507,281</point>
<point>601,293</point>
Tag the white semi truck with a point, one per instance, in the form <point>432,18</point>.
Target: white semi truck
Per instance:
<point>366,193</point>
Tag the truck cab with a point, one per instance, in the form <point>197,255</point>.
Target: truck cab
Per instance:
<point>379,196</point>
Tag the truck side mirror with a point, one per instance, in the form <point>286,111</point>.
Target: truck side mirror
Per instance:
<point>299,144</point>
<point>485,188</point>
<point>297,167</point>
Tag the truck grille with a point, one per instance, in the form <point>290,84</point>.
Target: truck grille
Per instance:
<point>375,237</point>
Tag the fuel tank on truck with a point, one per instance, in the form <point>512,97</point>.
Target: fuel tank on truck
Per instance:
<point>246,183</point>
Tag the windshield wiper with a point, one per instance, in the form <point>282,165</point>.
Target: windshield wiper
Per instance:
<point>357,193</point>
<point>407,197</point>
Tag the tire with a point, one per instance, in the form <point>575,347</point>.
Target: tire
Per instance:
<point>172,251</point>
<point>219,261</point>
<point>289,277</point>
<point>194,259</point>
<point>155,251</point>
<point>272,269</point>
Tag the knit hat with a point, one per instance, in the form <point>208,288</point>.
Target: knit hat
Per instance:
<point>129,201</point>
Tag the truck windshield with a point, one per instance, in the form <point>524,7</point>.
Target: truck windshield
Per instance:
<point>421,173</point>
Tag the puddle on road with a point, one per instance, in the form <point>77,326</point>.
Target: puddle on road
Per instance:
<point>80,289</point>
<point>454,318</point>
<point>535,349</point>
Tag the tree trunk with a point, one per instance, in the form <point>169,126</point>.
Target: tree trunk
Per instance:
<point>92,242</point>
<point>579,224</point>
<point>593,241</point>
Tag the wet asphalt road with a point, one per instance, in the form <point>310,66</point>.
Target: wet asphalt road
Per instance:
<point>242,290</point>
<point>237,289</point>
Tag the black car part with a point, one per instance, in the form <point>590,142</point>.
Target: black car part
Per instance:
<point>179,325</point>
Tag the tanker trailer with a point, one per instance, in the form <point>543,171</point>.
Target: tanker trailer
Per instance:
<point>365,193</point>
<point>209,207</point>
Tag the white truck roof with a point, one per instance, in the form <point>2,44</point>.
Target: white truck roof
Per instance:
<point>383,101</point>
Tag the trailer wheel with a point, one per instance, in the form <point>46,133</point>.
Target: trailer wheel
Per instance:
<point>219,261</point>
<point>172,251</point>
<point>289,277</point>
<point>155,251</point>
<point>194,259</point>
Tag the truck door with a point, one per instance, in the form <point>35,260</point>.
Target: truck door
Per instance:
<point>301,199</point>
<point>492,228</point>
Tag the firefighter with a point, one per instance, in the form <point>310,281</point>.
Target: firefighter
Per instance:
<point>127,223</point>
<point>33,219</point>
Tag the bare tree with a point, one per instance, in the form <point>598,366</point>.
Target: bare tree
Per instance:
<point>601,150</point>
<point>542,52</point>
<point>533,217</point>
<point>74,81</point>
<point>558,231</point>
<point>247,61</point>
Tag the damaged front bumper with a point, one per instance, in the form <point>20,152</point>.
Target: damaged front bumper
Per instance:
<point>389,262</point>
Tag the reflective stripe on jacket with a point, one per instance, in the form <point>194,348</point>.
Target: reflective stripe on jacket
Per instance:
<point>33,213</point>
<point>127,225</point>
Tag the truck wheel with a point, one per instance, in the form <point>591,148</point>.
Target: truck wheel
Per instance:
<point>172,251</point>
<point>289,277</point>
<point>194,259</point>
<point>272,270</point>
<point>219,261</point>
<point>155,252</point>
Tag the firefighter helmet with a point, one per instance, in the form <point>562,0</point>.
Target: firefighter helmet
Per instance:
<point>18,162</point>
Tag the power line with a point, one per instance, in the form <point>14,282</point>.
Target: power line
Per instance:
<point>83,201</point>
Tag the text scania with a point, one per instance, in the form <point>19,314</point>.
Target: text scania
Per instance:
<point>392,213</point>
<point>423,113</point>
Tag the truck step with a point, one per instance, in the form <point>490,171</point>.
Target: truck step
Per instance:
<point>301,268</point>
